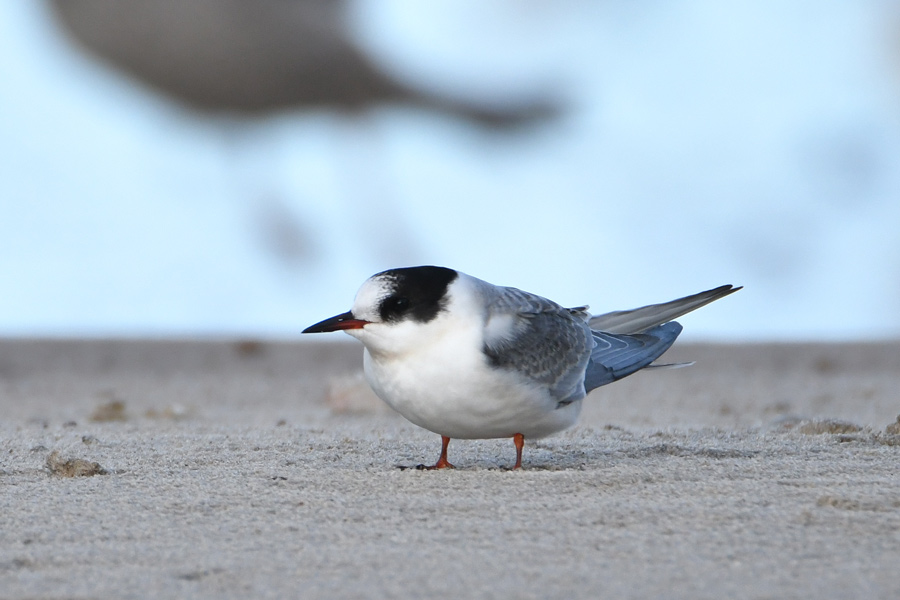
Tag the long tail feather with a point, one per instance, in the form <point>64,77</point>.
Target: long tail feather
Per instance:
<point>639,320</point>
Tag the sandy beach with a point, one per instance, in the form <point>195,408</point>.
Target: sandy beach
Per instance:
<point>253,469</point>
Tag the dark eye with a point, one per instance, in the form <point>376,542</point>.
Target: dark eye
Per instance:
<point>393,307</point>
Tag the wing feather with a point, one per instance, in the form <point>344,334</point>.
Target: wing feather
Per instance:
<point>539,339</point>
<point>570,352</point>
<point>616,356</point>
<point>639,320</point>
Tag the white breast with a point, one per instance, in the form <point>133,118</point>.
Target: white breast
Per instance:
<point>444,383</point>
<point>467,403</point>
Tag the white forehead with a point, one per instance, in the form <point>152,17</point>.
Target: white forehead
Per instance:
<point>370,294</point>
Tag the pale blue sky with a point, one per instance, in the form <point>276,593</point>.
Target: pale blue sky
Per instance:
<point>751,143</point>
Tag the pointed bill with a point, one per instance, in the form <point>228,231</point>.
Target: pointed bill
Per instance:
<point>337,323</point>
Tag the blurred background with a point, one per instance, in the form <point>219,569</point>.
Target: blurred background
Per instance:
<point>222,168</point>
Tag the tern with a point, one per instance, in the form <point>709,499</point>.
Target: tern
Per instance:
<point>467,359</point>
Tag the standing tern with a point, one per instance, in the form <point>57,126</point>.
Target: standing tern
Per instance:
<point>467,359</point>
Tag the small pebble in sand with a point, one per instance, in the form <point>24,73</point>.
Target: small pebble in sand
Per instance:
<point>114,410</point>
<point>173,412</point>
<point>893,428</point>
<point>350,394</point>
<point>827,426</point>
<point>73,467</point>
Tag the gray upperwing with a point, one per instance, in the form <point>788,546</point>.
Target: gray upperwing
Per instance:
<point>539,339</point>
<point>617,356</point>
<point>639,320</point>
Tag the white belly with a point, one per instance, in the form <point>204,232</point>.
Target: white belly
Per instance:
<point>466,399</point>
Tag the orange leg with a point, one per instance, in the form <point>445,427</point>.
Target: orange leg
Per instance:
<point>519,441</point>
<point>442,462</point>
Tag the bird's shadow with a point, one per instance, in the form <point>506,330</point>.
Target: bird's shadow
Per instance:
<point>555,456</point>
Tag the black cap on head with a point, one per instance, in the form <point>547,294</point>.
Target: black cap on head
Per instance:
<point>417,293</point>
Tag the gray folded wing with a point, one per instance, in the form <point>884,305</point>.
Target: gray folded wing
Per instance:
<point>616,356</point>
<point>642,319</point>
<point>556,347</point>
<point>538,339</point>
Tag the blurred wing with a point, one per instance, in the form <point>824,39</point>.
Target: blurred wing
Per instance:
<point>617,356</point>
<point>639,320</point>
<point>540,340</point>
